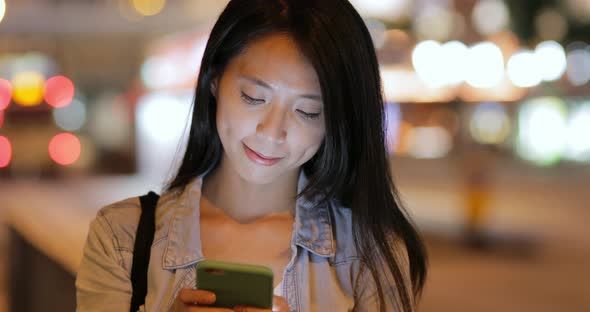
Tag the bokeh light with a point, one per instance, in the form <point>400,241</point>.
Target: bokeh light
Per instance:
<point>551,60</point>
<point>542,130</point>
<point>162,117</point>
<point>429,142</point>
<point>385,9</point>
<point>523,70</point>
<point>484,65</point>
<point>578,132</point>
<point>88,154</point>
<point>59,91</point>
<point>160,72</point>
<point>5,151</point>
<point>427,59</point>
<point>377,30</point>
<point>149,7</point>
<point>490,16</point>
<point>454,54</point>
<point>551,24</point>
<point>489,123</point>
<point>71,117</point>
<point>65,148</point>
<point>392,124</point>
<point>28,88</point>
<point>110,126</point>
<point>435,22</point>
<point>579,10</point>
<point>5,93</point>
<point>2,9</point>
<point>578,63</point>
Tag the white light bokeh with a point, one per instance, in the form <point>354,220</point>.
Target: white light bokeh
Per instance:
<point>542,130</point>
<point>427,59</point>
<point>551,59</point>
<point>2,9</point>
<point>489,123</point>
<point>385,9</point>
<point>523,70</point>
<point>429,142</point>
<point>578,134</point>
<point>160,72</point>
<point>485,65</point>
<point>161,116</point>
<point>162,120</point>
<point>454,54</point>
<point>71,117</point>
<point>490,16</point>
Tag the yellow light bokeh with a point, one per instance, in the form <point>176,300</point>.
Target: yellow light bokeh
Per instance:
<point>28,88</point>
<point>148,7</point>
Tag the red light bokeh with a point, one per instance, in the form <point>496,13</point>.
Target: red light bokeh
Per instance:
<point>5,93</point>
<point>5,151</point>
<point>59,91</point>
<point>65,148</point>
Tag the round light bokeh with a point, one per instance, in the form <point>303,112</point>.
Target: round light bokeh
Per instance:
<point>71,117</point>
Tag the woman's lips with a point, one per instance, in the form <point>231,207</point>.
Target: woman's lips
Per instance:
<point>259,159</point>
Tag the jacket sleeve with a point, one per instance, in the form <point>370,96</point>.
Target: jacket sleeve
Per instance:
<point>102,282</point>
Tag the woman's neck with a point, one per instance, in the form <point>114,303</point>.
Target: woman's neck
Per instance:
<point>226,192</point>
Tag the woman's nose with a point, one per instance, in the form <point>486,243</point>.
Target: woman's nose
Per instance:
<point>272,127</point>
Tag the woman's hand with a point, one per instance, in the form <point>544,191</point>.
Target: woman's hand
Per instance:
<point>194,300</point>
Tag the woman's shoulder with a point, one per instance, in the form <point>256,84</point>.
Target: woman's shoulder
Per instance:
<point>121,218</point>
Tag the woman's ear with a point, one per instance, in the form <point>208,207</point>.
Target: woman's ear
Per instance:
<point>213,86</point>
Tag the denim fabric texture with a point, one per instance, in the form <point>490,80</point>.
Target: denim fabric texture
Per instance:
<point>320,276</point>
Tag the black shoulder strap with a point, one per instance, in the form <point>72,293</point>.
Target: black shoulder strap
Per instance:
<point>141,250</point>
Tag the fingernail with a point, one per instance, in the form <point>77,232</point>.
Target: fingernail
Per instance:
<point>211,297</point>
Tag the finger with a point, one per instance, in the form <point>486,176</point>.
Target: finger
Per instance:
<point>192,296</point>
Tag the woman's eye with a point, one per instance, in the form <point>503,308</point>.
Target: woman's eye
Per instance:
<point>309,115</point>
<point>250,100</point>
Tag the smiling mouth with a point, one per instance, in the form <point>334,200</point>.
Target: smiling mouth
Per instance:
<point>261,155</point>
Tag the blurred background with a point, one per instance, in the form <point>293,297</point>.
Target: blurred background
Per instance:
<point>488,129</point>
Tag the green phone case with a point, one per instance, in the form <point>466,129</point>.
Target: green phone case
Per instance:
<point>236,284</point>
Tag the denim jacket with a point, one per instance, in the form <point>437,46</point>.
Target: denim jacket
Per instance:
<point>320,276</point>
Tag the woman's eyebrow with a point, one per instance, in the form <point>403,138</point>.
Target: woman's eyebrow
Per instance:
<point>267,86</point>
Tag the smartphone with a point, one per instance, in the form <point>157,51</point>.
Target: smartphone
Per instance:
<point>236,284</point>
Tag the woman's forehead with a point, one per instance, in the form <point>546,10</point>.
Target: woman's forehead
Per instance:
<point>276,58</point>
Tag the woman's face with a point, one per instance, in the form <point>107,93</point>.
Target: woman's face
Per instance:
<point>270,115</point>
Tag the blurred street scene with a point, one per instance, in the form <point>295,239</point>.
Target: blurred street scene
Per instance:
<point>488,130</point>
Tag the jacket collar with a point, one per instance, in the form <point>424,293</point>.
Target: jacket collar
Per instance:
<point>312,229</point>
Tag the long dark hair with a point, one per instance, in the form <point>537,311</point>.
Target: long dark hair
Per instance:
<point>351,166</point>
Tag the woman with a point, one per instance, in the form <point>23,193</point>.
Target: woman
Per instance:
<point>285,167</point>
